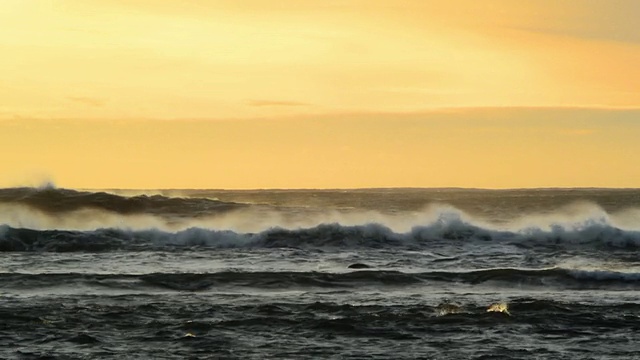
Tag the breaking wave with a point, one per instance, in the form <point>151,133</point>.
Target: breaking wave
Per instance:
<point>61,220</point>
<point>321,236</point>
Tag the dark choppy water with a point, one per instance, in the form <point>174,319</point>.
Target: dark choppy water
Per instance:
<point>366,274</point>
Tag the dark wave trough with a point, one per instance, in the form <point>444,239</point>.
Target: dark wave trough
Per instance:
<point>281,281</point>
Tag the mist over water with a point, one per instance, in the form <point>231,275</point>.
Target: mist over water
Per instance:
<point>31,208</point>
<point>390,272</point>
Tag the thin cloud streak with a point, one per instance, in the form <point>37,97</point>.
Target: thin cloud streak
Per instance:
<point>89,101</point>
<point>260,103</point>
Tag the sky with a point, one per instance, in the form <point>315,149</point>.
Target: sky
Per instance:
<point>319,94</point>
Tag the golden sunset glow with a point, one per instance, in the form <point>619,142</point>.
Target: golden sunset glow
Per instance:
<point>298,94</point>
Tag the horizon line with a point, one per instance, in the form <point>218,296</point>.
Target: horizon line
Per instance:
<point>332,188</point>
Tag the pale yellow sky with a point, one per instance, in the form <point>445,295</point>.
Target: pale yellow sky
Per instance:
<point>298,93</point>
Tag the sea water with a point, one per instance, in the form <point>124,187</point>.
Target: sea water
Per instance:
<point>308,274</point>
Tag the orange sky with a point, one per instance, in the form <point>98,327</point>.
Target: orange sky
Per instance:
<point>296,93</point>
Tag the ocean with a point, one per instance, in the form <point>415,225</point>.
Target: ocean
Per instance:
<point>320,274</point>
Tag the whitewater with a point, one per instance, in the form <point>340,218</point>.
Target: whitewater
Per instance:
<point>295,274</point>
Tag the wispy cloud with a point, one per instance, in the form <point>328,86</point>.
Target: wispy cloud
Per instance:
<point>617,35</point>
<point>89,101</point>
<point>579,132</point>
<point>260,103</point>
<point>81,30</point>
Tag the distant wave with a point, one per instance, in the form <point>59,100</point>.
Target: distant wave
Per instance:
<point>53,200</point>
<point>553,277</point>
<point>321,236</point>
